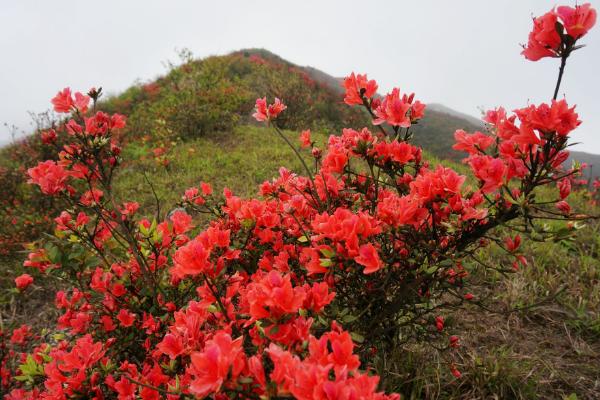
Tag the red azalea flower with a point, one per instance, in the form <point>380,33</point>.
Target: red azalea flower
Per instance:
<point>577,20</point>
<point>23,281</point>
<point>369,258</point>
<point>358,86</point>
<point>221,359</point>
<point>305,139</point>
<point>49,176</point>
<point>393,110</point>
<point>126,318</point>
<point>63,102</point>
<point>269,112</point>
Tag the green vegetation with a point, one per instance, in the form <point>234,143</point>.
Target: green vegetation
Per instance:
<point>240,160</point>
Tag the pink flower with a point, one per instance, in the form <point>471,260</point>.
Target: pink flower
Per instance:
<point>23,281</point>
<point>417,111</point>
<point>489,170</point>
<point>369,258</point>
<point>512,244</point>
<point>358,86</point>
<point>20,335</point>
<point>564,188</point>
<point>455,372</point>
<point>171,345</point>
<point>264,112</point>
<point>544,40</point>
<point>81,102</point>
<point>125,388</point>
<point>117,121</point>
<point>49,136</point>
<point>454,341</point>
<point>471,143</point>
<point>63,101</point>
<point>130,208</point>
<point>126,318</point>
<point>439,323</point>
<point>577,20</point>
<point>393,110</point>
<point>556,117</point>
<point>568,119</point>
<point>221,358</point>
<point>182,222</point>
<point>49,176</point>
<point>305,138</point>
<point>192,259</point>
<point>563,207</point>
<point>206,188</point>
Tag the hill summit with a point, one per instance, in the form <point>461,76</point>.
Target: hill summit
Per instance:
<point>214,93</point>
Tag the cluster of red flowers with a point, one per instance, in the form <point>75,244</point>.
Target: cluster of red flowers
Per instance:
<point>296,293</point>
<point>393,109</point>
<point>264,112</point>
<point>554,34</point>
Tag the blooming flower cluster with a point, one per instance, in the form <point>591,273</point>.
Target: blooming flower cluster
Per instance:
<point>554,34</point>
<point>299,292</point>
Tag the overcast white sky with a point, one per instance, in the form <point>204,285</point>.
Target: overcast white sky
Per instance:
<point>461,53</point>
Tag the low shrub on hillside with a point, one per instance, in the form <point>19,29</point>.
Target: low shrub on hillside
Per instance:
<point>304,291</point>
<point>214,94</point>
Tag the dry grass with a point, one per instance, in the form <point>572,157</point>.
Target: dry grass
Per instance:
<point>534,335</point>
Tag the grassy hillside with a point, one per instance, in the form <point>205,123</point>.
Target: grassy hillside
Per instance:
<point>240,160</point>
<point>215,93</point>
<point>592,160</point>
<point>531,334</point>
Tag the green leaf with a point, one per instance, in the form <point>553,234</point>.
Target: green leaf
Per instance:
<point>274,330</point>
<point>30,368</point>
<point>143,229</point>
<point>92,262</point>
<point>357,337</point>
<point>326,262</point>
<point>349,318</point>
<point>446,263</point>
<point>329,253</point>
<point>76,252</point>
<point>53,253</point>
<point>212,309</point>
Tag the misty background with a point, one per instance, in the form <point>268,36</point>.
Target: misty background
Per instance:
<point>464,54</point>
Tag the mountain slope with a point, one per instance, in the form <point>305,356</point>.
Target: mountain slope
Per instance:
<point>435,132</point>
<point>451,112</point>
<point>591,160</point>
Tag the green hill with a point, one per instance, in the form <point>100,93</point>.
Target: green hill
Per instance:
<point>215,93</point>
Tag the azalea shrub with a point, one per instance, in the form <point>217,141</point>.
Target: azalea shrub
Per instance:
<point>23,211</point>
<point>304,291</point>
